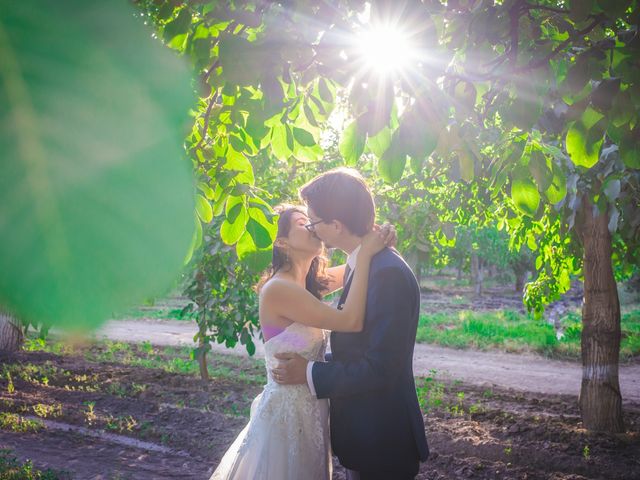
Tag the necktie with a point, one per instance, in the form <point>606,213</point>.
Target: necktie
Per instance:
<point>347,271</point>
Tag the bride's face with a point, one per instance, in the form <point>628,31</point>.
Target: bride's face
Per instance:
<point>300,238</point>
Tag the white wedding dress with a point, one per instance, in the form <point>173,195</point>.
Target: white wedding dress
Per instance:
<point>287,437</point>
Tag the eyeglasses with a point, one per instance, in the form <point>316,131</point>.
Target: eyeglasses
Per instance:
<point>312,226</point>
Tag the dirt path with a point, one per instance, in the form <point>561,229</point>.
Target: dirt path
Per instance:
<point>529,373</point>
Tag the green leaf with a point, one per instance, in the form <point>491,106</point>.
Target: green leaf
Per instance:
<point>540,170</point>
<point>279,143</point>
<point>178,26</point>
<point>259,233</point>
<point>233,208</point>
<point>166,10</point>
<point>614,8</point>
<point>289,137</point>
<point>196,240</point>
<point>237,143</point>
<point>241,166</point>
<point>579,10</point>
<point>207,190</point>
<point>256,259</point>
<point>234,225</point>
<point>630,153</point>
<point>96,201</point>
<point>203,207</point>
<point>577,76</point>
<point>235,56</point>
<point>391,164</point>
<point>416,164</point>
<point>379,143</point>
<point>325,92</point>
<point>309,115</point>
<point>308,154</point>
<point>525,195</point>
<point>251,348</point>
<point>352,144</point>
<point>524,111</point>
<point>465,93</point>
<point>584,139</point>
<point>418,135</point>
<point>557,189</point>
<point>603,95</point>
<point>303,137</point>
<point>220,201</point>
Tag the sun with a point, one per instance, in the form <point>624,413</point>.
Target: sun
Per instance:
<point>385,49</point>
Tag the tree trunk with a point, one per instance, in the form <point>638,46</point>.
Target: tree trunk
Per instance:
<point>11,336</point>
<point>202,348</point>
<point>600,399</point>
<point>477,273</point>
<point>202,362</point>
<point>474,267</point>
<point>521,277</point>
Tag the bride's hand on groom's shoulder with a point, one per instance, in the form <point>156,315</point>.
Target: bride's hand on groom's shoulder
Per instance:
<point>392,237</point>
<point>379,238</point>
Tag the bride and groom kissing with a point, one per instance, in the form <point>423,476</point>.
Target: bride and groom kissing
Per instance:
<point>358,401</point>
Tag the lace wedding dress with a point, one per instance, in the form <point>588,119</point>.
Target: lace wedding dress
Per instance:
<point>287,437</point>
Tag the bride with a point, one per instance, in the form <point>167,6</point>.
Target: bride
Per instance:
<point>287,437</point>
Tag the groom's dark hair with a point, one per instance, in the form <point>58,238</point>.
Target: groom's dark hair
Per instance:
<point>341,194</point>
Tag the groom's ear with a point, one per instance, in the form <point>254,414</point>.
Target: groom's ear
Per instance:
<point>338,225</point>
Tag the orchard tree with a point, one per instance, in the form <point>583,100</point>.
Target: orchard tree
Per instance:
<point>534,104</point>
<point>222,289</point>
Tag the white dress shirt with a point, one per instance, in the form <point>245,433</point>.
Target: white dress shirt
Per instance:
<point>351,261</point>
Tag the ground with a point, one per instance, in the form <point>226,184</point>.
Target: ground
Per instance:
<point>138,411</point>
<point>110,409</point>
<point>480,368</point>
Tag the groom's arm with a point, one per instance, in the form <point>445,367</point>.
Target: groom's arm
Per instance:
<point>390,311</point>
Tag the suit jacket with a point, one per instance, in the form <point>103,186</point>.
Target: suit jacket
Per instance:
<point>376,422</point>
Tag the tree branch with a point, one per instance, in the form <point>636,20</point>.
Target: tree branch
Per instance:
<point>207,116</point>
<point>210,70</point>
<point>514,17</point>
<point>491,75</point>
<point>529,6</point>
<point>559,48</point>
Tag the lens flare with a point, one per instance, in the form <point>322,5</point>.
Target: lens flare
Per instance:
<point>385,49</point>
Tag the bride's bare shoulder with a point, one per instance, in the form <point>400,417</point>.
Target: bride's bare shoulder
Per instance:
<point>278,286</point>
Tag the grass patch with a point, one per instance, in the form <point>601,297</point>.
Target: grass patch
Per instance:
<point>145,355</point>
<point>158,313</point>
<point>12,469</point>
<point>436,396</point>
<point>18,423</point>
<point>515,332</point>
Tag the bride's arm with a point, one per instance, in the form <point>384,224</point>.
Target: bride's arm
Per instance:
<point>288,299</point>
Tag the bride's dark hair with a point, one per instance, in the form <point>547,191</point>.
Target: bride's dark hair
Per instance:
<point>316,281</point>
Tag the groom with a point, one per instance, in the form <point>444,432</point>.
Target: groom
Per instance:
<point>377,430</point>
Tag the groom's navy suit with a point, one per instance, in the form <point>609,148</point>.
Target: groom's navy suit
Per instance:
<point>376,422</point>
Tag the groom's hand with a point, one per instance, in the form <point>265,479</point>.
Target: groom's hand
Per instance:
<point>292,369</point>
